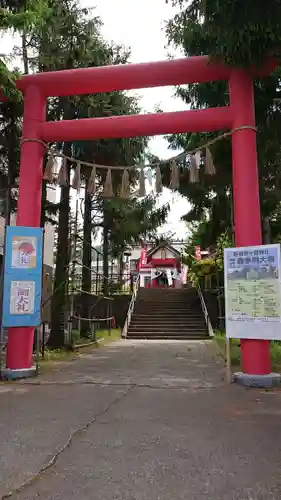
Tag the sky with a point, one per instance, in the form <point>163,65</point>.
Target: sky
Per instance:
<point>139,25</point>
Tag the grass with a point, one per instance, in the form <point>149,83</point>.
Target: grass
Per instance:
<point>235,348</point>
<point>103,337</point>
<point>275,351</point>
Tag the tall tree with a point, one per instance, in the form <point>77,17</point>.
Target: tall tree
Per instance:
<point>71,38</point>
<point>122,222</point>
<point>19,16</point>
<point>215,27</point>
<point>66,37</point>
<point>10,126</point>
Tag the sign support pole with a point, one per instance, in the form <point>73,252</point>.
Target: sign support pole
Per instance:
<point>228,360</point>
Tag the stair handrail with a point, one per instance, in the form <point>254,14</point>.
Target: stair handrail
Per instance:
<point>205,311</point>
<point>131,307</point>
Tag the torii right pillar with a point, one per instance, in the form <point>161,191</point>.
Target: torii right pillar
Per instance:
<point>247,219</point>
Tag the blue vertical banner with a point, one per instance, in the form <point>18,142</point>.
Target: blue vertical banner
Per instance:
<point>22,276</point>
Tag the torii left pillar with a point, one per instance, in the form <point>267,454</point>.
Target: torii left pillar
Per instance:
<point>20,340</point>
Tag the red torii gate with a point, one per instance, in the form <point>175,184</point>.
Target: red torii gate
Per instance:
<point>37,87</point>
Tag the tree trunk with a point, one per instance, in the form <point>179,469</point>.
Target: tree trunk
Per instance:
<point>60,301</point>
<point>105,251</point>
<point>12,161</point>
<point>59,307</point>
<point>24,54</point>
<point>121,268</point>
<point>87,265</point>
<point>60,298</point>
<point>266,231</point>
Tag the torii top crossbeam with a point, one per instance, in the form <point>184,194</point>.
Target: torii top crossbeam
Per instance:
<point>128,77</point>
<point>132,76</point>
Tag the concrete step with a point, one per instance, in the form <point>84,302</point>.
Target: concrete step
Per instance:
<point>183,305</point>
<point>162,321</point>
<point>160,291</point>
<point>158,321</point>
<point>159,331</point>
<point>187,298</point>
<point>167,291</point>
<point>168,297</point>
<point>167,337</point>
<point>171,329</point>
<point>158,315</point>
<point>166,307</point>
<point>167,312</point>
<point>171,296</point>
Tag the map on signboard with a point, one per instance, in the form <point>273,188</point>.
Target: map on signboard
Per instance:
<point>253,286</point>
<point>252,279</point>
<point>22,297</point>
<point>24,252</point>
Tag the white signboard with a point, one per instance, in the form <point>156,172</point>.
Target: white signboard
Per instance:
<point>22,298</point>
<point>253,292</point>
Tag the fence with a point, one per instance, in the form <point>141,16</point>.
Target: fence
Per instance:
<point>213,293</point>
<point>116,284</point>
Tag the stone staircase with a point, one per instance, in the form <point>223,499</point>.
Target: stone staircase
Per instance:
<point>168,314</point>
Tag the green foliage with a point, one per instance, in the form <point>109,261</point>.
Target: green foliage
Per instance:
<point>202,268</point>
<point>207,268</point>
<point>19,16</point>
<point>224,240</point>
<point>70,37</point>
<point>242,32</point>
<point>61,35</point>
<point>217,28</point>
<point>132,221</point>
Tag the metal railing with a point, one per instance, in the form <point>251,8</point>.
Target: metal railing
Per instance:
<point>131,308</point>
<point>205,311</point>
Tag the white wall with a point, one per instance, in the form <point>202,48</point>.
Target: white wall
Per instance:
<point>49,242</point>
<point>49,237</point>
<point>163,253</point>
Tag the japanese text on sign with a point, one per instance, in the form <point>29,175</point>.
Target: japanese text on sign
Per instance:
<point>22,297</point>
<point>253,292</point>
<point>22,276</point>
<point>24,250</point>
<point>257,257</point>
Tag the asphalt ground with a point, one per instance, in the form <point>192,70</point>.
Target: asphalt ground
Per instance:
<point>139,420</point>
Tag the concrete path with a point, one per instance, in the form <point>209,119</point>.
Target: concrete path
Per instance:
<point>140,421</point>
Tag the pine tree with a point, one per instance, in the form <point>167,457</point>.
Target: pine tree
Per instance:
<point>71,38</point>
<point>65,36</point>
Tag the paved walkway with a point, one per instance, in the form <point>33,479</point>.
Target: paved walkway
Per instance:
<point>140,421</point>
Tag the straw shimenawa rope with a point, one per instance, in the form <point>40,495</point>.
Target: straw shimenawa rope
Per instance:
<point>194,160</point>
